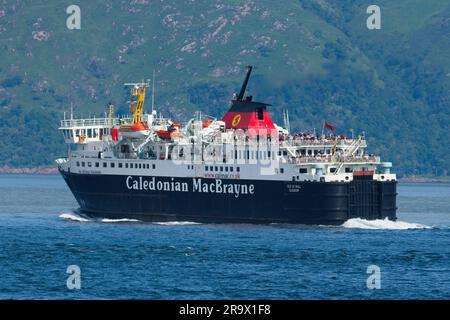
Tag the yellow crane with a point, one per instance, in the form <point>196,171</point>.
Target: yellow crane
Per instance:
<point>137,100</point>
<point>137,128</point>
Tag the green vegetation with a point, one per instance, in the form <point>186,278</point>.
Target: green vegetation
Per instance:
<point>313,57</point>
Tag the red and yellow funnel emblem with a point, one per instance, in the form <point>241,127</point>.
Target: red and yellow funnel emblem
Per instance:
<point>236,120</point>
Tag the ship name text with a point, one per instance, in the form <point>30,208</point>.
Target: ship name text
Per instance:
<point>198,185</point>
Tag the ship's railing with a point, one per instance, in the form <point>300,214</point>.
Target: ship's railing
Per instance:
<point>338,159</point>
<point>104,122</point>
<point>93,122</point>
<point>323,142</point>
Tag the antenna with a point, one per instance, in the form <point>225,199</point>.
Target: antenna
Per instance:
<point>244,85</point>
<point>153,92</point>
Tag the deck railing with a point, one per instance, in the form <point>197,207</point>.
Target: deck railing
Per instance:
<point>93,122</point>
<point>330,159</point>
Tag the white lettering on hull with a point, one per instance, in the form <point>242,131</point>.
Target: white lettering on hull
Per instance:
<point>198,185</point>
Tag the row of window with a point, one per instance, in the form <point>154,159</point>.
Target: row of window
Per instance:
<point>247,154</point>
<point>119,165</point>
<point>238,154</point>
<point>90,133</point>
<point>190,167</point>
<point>221,169</point>
<point>314,152</point>
<point>332,170</point>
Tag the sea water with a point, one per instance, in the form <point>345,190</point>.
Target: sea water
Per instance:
<point>42,238</point>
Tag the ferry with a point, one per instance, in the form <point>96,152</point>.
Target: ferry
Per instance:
<point>240,168</point>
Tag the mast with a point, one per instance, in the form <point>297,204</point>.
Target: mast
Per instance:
<point>110,113</point>
<point>153,92</point>
<point>241,94</point>
<point>287,125</point>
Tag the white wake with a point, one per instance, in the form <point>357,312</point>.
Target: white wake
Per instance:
<point>386,224</point>
<point>176,223</point>
<point>119,220</point>
<point>73,217</point>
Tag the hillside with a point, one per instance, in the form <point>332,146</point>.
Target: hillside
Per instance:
<point>313,57</point>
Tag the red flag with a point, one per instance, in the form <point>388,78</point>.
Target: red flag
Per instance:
<point>329,126</point>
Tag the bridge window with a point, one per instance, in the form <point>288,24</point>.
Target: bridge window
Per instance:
<point>97,164</point>
<point>348,170</point>
<point>153,166</point>
<point>333,170</point>
<point>238,169</point>
<point>226,169</point>
<point>82,164</point>
<point>120,164</point>
<point>78,164</point>
<point>303,170</point>
<point>281,170</point>
<point>112,164</point>
<point>104,164</point>
<point>231,169</point>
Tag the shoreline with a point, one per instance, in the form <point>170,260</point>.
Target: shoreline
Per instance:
<point>35,170</point>
<point>424,180</point>
<point>54,170</point>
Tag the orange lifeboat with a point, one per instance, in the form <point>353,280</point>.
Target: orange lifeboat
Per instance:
<point>170,133</point>
<point>137,130</point>
<point>207,123</point>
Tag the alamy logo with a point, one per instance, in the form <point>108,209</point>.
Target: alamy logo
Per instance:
<point>374,20</point>
<point>74,20</point>
<point>374,280</point>
<point>74,279</point>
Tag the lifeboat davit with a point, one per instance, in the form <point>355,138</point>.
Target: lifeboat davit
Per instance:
<point>137,130</point>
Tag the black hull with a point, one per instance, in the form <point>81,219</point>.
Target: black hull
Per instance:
<point>110,196</point>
